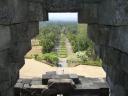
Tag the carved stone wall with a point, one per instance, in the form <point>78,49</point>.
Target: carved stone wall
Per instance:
<point>107,27</point>
<point>18,25</point>
<point>110,35</point>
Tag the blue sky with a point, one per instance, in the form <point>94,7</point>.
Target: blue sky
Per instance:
<point>63,17</point>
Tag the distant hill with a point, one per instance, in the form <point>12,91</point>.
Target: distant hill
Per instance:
<point>46,23</point>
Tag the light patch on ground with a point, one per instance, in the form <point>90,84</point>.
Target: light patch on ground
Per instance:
<point>33,68</point>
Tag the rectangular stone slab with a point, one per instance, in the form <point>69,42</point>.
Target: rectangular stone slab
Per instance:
<point>36,82</point>
<point>35,11</point>
<point>112,36</point>
<point>51,73</point>
<point>75,78</point>
<point>5,37</point>
<point>113,12</point>
<point>63,6</point>
<point>88,13</point>
<point>13,11</point>
<point>19,85</point>
<point>61,85</point>
<point>45,79</point>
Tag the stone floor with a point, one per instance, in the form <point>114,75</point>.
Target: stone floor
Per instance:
<point>86,87</point>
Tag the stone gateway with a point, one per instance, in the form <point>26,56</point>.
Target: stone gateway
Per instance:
<point>107,27</point>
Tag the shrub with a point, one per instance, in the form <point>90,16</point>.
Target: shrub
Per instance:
<point>51,58</point>
<point>38,57</point>
<point>82,55</point>
<point>94,62</point>
<point>48,37</point>
<point>73,60</point>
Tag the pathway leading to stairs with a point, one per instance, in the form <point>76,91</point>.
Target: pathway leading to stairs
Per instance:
<point>69,47</point>
<point>63,61</point>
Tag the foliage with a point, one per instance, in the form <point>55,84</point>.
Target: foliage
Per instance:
<point>38,57</point>
<point>97,62</point>
<point>79,39</point>
<point>29,56</point>
<point>73,60</point>
<point>48,37</point>
<point>49,57</point>
<point>82,58</point>
<point>83,47</point>
<point>82,55</point>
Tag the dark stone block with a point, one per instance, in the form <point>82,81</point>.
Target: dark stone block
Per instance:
<point>65,6</point>
<point>75,78</point>
<point>35,11</point>
<point>113,12</point>
<point>13,11</point>
<point>61,85</point>
<point>88,14</point>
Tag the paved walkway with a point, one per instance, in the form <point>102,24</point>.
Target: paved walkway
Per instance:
<point>63,61</point>
<point>69,47</point>
<point>33,68</point>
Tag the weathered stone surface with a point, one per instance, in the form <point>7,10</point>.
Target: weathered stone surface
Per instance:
<point>119,38</point>
<point>4,75</point>
<point>35,11</point>
<point>111,47</point>
<point>14,11</point>
<point>66,6</point>
<point>98,33</point>
<point>5,37</point>
<point>37,1</point>
<point>107,55</point>
<point>87,87</point>
<point>19,50</point>
<point>61,85</point>
<point>113,12</point>
<point>7,79</point>
<point>3,59</point>
<point>33,29</point>
<point>88,14</point>
<point>19,32</point>
<point>36,82</point>
<point>118,91</point>
<point>124,62</point>
<point>9,92</point>
<point>115,37</point>
<point>18,85</point>
<point>51,73</point>
<point>92,1</point>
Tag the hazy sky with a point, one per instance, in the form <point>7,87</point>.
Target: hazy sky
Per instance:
<point>63,17</point>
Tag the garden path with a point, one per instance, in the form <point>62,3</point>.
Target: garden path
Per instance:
<point>69,47</point>
<point>63,61</point>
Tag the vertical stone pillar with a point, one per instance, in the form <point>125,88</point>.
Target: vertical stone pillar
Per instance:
<point>18,25</point>
<point>110,35</point>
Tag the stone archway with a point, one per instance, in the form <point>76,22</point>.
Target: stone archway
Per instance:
<point>107,27</point>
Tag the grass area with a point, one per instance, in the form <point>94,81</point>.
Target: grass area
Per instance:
<point>94,63</point>
<point>63,50</point>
